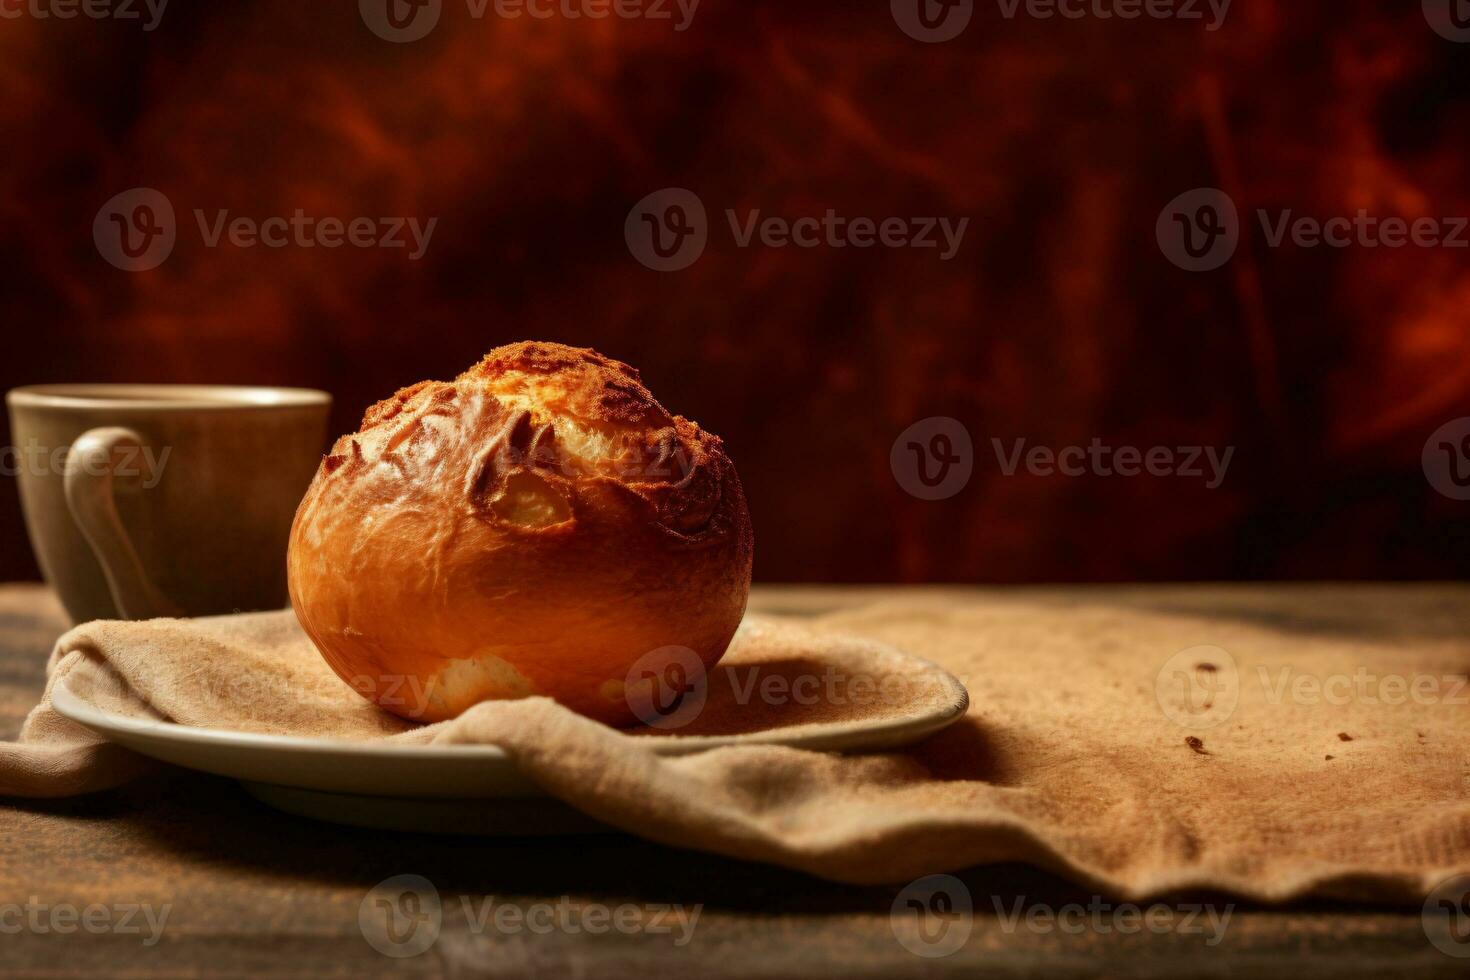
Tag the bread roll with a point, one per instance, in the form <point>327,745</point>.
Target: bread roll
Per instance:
<point>538,526</point>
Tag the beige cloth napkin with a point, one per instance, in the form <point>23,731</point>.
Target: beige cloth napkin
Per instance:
<point>1103,740</point>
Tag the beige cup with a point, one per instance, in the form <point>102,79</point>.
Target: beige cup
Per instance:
<point>163,500</point>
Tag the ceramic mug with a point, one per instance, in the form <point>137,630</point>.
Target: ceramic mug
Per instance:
<point>163,500</point>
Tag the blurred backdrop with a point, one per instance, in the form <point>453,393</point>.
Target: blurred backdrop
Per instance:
<point>1058,320</point>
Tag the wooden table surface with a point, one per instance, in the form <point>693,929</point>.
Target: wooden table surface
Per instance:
<point>250,890</point>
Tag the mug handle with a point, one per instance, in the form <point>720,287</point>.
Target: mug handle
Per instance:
<point>89,497</point>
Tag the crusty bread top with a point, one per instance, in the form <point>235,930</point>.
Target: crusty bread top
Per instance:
<point>580,415</point>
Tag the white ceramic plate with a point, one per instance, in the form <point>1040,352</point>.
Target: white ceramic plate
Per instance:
<point>450,788</point>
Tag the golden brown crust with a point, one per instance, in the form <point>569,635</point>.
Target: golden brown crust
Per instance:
<point>534,526</point>
<point>587,385</point>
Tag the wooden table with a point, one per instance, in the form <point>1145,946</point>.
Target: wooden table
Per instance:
<point>250,890</point>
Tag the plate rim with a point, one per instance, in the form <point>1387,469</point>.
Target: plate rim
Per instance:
<point>73,707</point>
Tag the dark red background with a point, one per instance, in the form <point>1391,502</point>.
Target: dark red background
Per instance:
<point>1059,321</point>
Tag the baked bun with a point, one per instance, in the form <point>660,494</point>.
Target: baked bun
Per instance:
<point>538,526</point>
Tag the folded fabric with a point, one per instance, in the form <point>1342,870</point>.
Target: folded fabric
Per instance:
<point>1270,747</point>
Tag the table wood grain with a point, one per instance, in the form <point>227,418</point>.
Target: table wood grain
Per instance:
<point>251,891</point>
